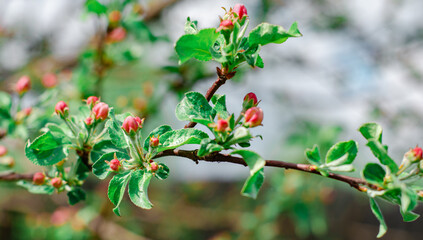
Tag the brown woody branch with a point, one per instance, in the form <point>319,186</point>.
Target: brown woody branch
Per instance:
<point>16,177</point>
<point>356,183</point>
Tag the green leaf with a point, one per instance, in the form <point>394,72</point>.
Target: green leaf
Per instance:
<point>378,214</point>
<point>196,45</point>
<point>58,133</point>
<point>36,189</point>
<point>158,131</point>
<point>409,216</point>
<point>266,33</point>
<point>82,171</point>
<point>95,7</point>
<point>191,26</point>
<point>342,168</point>
<point>114,125</point>
<point>371,131</point>
<point>219,102</point>
<point>208,146</point>
<point>163,172</point>
<point>101,169</point>
<point>176,138</point>
<point>47,155</point>
<point>253,184</point>
<point>194,107</point>
<point>102,148</point>
<point>117,188</point>
<point>240,135</point>
<point>373,173</point>
<point>254,161</point>
<point>380,152</point>
<point>341,149</point>
<point>137,189</point>
<point>75,195</point>
<point>408,199</point>
<point>313,155</point>
<point>5,104</point>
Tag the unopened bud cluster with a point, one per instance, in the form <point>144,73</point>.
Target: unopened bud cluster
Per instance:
<point>236,14</point>
<point>40,178</point>
<point>131,125</point>
<point>253,115</point>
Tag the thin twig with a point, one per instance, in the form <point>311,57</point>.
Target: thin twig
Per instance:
<point>356,183</point>
<point>16,177</point>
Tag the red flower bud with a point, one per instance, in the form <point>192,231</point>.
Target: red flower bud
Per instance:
<point>115,164</point>
<point>27,111</point>
<point>154,166</point>
<point>250,100</point>
<point>101,111</point>
<point>88,121</point>
<point>56,182</point>
<point>49,80</point>
<point>116,35</point>
<point>139,121</point>
<point>23,84</point>
<point>240,10</point>
<point>417,151</point>
<point>38,178</point>
<point>253,117</point>
<point>114,16</point>
<point>3,150</point>
<point>225,25</point>
<point>62,109</point>
<point>130,124</point>
<point>92,100</point>
<point>222,125</point>
<point>154,141</point>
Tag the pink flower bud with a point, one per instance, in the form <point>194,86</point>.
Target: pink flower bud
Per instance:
<point>38,178</point>
<point>23,84</point>
<point>92,100</point>
<point>62,109</point>
<point>417,152</point>
<point>225,25</point>
<point>3,150</point>
<point>56,182</point>
<point>130,125</point>
<point>116,35</point>
<point>240,10</point>
<point>88,121</point>
<point>253,117</point>
<point>154,141</point>
<point>250,100</point>
<point>49,80</point>
<point>27,111</point>
<point>115,164</point>
<point>101,111</point>
<point>154,166</point>
<point>114,16</point>
<point>222,125</point>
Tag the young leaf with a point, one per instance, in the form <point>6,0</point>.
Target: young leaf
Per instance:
<point>266,33</point>
<point>5,104</point>
<point>75,195</point>
<point>313,155</point>
<point>254,161</point>
<point>138,185</point>
<point>241,135</point>
<point>101,169</point>
<point>374,174</point>
<point>219,102</point>
<point>163,172</point>
<point>196,45</point>
<point>371,131</point>
<point>378,214</point>
<point>408,199</point>
<point>113,126</point>
<point>102,148</point>
<point>253,184</point>
<point>36,189</point>
<point>95,7</point>
<point>208,146</point>
<point>117,188</point>
<point>194,107</point>
<point>176,138</point>
<point>158,131</point>
<point>409,216</point>
<point>191,26</point>
<point>45,150</point>
<point>380,152</point>
<point>341,149</point>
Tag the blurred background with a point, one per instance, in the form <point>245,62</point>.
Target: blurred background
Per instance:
<point>358,61</point>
